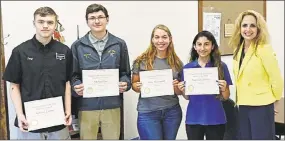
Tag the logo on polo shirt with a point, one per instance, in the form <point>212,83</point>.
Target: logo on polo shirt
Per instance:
<point>59,56</point>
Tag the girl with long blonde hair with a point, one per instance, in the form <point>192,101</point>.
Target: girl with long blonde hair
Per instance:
<point>159,117</point>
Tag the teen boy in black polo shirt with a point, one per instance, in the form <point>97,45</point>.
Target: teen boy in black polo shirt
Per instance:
<point>39,68</point>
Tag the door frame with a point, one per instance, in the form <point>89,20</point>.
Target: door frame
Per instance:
<point>4,122</point>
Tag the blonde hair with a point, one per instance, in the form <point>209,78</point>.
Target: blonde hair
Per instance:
<point>149,55</point>
<point>262,36</point>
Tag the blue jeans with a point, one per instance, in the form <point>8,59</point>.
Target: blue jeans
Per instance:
<point>160,125</point>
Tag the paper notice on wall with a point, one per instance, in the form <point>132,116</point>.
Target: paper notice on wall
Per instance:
<point>212,23</point>
<point>229,28</point>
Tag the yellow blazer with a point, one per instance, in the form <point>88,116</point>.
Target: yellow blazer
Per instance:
<point>258,81</point>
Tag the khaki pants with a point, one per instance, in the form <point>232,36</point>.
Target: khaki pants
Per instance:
<point>108,120</point>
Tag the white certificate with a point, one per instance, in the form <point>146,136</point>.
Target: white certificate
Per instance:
<point>201,81</point>
<point>156,83</point>
<point>100,83</point>
<point>44,113</point>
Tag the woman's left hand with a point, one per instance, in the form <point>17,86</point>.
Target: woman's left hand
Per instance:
<point>222,84</point>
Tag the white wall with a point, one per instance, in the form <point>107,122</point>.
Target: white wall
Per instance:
<point>275,21</point>
<point>132,21</point>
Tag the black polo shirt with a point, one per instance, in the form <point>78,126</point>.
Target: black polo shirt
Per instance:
<point>42,71</point>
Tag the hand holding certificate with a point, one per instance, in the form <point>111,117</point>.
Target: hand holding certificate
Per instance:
<point>100,83</point>
<point>201,81</point>
<point>156,83</point>
<point>44,113</point>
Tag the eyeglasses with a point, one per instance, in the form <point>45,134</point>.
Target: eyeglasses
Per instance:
<point>100,19</point>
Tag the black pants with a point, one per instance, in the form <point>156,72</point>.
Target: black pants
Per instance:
<point>231,132</point>
<point>256,122</point>
<point>212,132</point>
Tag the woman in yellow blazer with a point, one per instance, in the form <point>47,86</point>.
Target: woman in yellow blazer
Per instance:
<point>258,78</point>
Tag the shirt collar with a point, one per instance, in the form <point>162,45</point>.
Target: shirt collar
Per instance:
<point>40,45</point>
<point>196,64</point>
<point>93,39</point>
